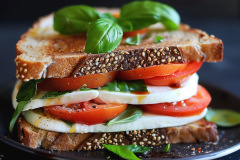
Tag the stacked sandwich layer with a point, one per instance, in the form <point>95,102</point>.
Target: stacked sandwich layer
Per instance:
<point>84,99</point>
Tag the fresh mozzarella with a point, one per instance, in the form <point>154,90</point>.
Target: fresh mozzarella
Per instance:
<point>157,94</point>
<point>147,121</point>
<point>68,98</point>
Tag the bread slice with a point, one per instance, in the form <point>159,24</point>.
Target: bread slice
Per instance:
<point>44,53</point>
<point>199,131</point>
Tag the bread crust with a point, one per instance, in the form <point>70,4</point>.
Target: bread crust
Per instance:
<point>31,136</point>
<point>43,53</point>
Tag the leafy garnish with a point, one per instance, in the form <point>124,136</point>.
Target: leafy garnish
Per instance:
<point>158,39</point>
<point>127,151</point>
<point>131,114</point>
<point>74,19</point>
<point>223,117</point>
<point>125,86</point>
<point>25,94</point>
<point>166,148</point>
<point>54,94</point>
<point>145,13</point>
<point>70,124</point>
<point>103,36</point>
<point>136,40</point>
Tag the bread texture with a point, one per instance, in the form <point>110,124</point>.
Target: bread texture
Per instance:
<point>199,131</point>
<point>43,53</point>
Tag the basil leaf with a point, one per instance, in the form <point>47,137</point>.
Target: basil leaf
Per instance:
<point>137,85</point>
<point>27,90</point>
<point>68,123</point>
<point>54,94</point>
<point>137,149</point>
<point>134,40</point>
<point>132,113</point>
<point>125,86</point>
<point>121,151</point>
<point>223,117</point>
<point>74,19</point>
<point>108,16</point>
<point>145,13</point>
<point>158,39</point>
<point>125,24</point>
<point>166,148</point>
<point>16,113</point>
<point>103,36</point>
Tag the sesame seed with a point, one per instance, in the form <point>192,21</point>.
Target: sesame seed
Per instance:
<point>173,58</point>
<point>116,58</point>
<point>21,68</point>
<point>103,66</point>
<point>111,59</point>
<point>155,59</point>
<point>88,143</point>
<point>149,142</point>
<point>134,139</point>
<point>144,139</point>
<point>106,60</point>
<point>144,49</point>
<point>109,64</point>
<point>179,57</point>
<point>167,49</point>
<point>22,76</point>
<point>158,54</point>
<point>142,62</point>
<point>127,53</point>
<point>141,143</point>
<point>168,59</point>
<point>151,55</point>
<point>25,80</point>
<point>112,54</point>
<point>116,66</point>
<point>120,136</point>
<point>25,70</point>
<point>134,143</point>
<point>152,131</point>
<point>115,62</point>
<point>158,138</point>
<point>89,147</point>
<point>154,138</point>
<point>119,56</point>
<point>160,49</point>
<point>153,143</point>
<point>115,140</point>
<point>163,60</point>
<point>143,54</point>
<point>18,76</point>
<point>93,72</point>
<point>95,141</point>
<point>90,61</point>
<point>148,52</point>
<point>155,51</point>
<point>163,136</point>
<point>107,56</point>
<point>97,60</point>
<point>163,53</point>
<point>138,66</point>
<point>104,135</point>
<point>25,64</point>
<point>149,59</point>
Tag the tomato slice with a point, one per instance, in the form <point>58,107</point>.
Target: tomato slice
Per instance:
<point>153,71</point>
<point>175,78</point>
<point>192,106</point>
<point>66,84</point>
<point>134,33</point>
<point>86,112</point>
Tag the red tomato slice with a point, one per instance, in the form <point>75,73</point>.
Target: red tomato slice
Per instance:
<point>134,33</point>
<point>86,112</point>
<point>149,72</point>
<point>192,106</point>
<point>175,78</point>
<point>66,84</point>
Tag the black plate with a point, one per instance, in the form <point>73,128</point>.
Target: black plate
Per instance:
<point>228,143</point>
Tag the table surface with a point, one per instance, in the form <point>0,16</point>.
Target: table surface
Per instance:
<point>225,75</point>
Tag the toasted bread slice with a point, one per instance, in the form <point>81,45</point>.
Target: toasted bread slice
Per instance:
<point>44,53</point>
<point>31,136</point>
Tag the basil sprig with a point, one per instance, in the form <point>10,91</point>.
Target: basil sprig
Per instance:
<point>136,40</point>
<point>131,114</point>
<point>158,39</point>
<point>103,36</point>
<point>54,94</point>
<point>145,13</point>
<point>25,94</point>
<point>125,86</point>
<point>223,117</point>
<point>127,151</point>
<point>166,148</point>
<point>133,16</point>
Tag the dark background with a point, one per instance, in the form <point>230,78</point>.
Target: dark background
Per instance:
<point>218,17</point>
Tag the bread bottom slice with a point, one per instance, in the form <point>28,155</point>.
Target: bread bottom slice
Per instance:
<point>199,131</point>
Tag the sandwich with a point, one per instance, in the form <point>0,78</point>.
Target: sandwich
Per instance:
<point>89,77</point>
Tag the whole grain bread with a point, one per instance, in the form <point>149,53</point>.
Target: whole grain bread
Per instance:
<point>199,131</point>
<point>44,53</point>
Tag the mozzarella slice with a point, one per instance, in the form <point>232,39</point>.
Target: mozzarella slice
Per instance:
<point>68,98</point>
<point>147,121</point>
<point>157,94</point>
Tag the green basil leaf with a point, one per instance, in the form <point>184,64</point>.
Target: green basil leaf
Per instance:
<point>83,88</point>
<point>223,117</point>
<point>134,40</point>
<point>54,94</point>
<point>166,148</point>
<point>103,36</point>
<point>132,113</point>
<point>27,90</point>
<point>137,149</point>
<point>108,16</point>
<point>121,151</point>
<point>25,94</point>
<point>137,86</point>
<point>16,113</point>
<point>74,19</point>
<point>125,86</point>
<point>70,124</point>
<point>145,13</point>
<point>125,24</point>
<point>158,39</point>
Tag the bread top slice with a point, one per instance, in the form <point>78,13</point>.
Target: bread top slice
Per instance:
<point>43,53</point>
